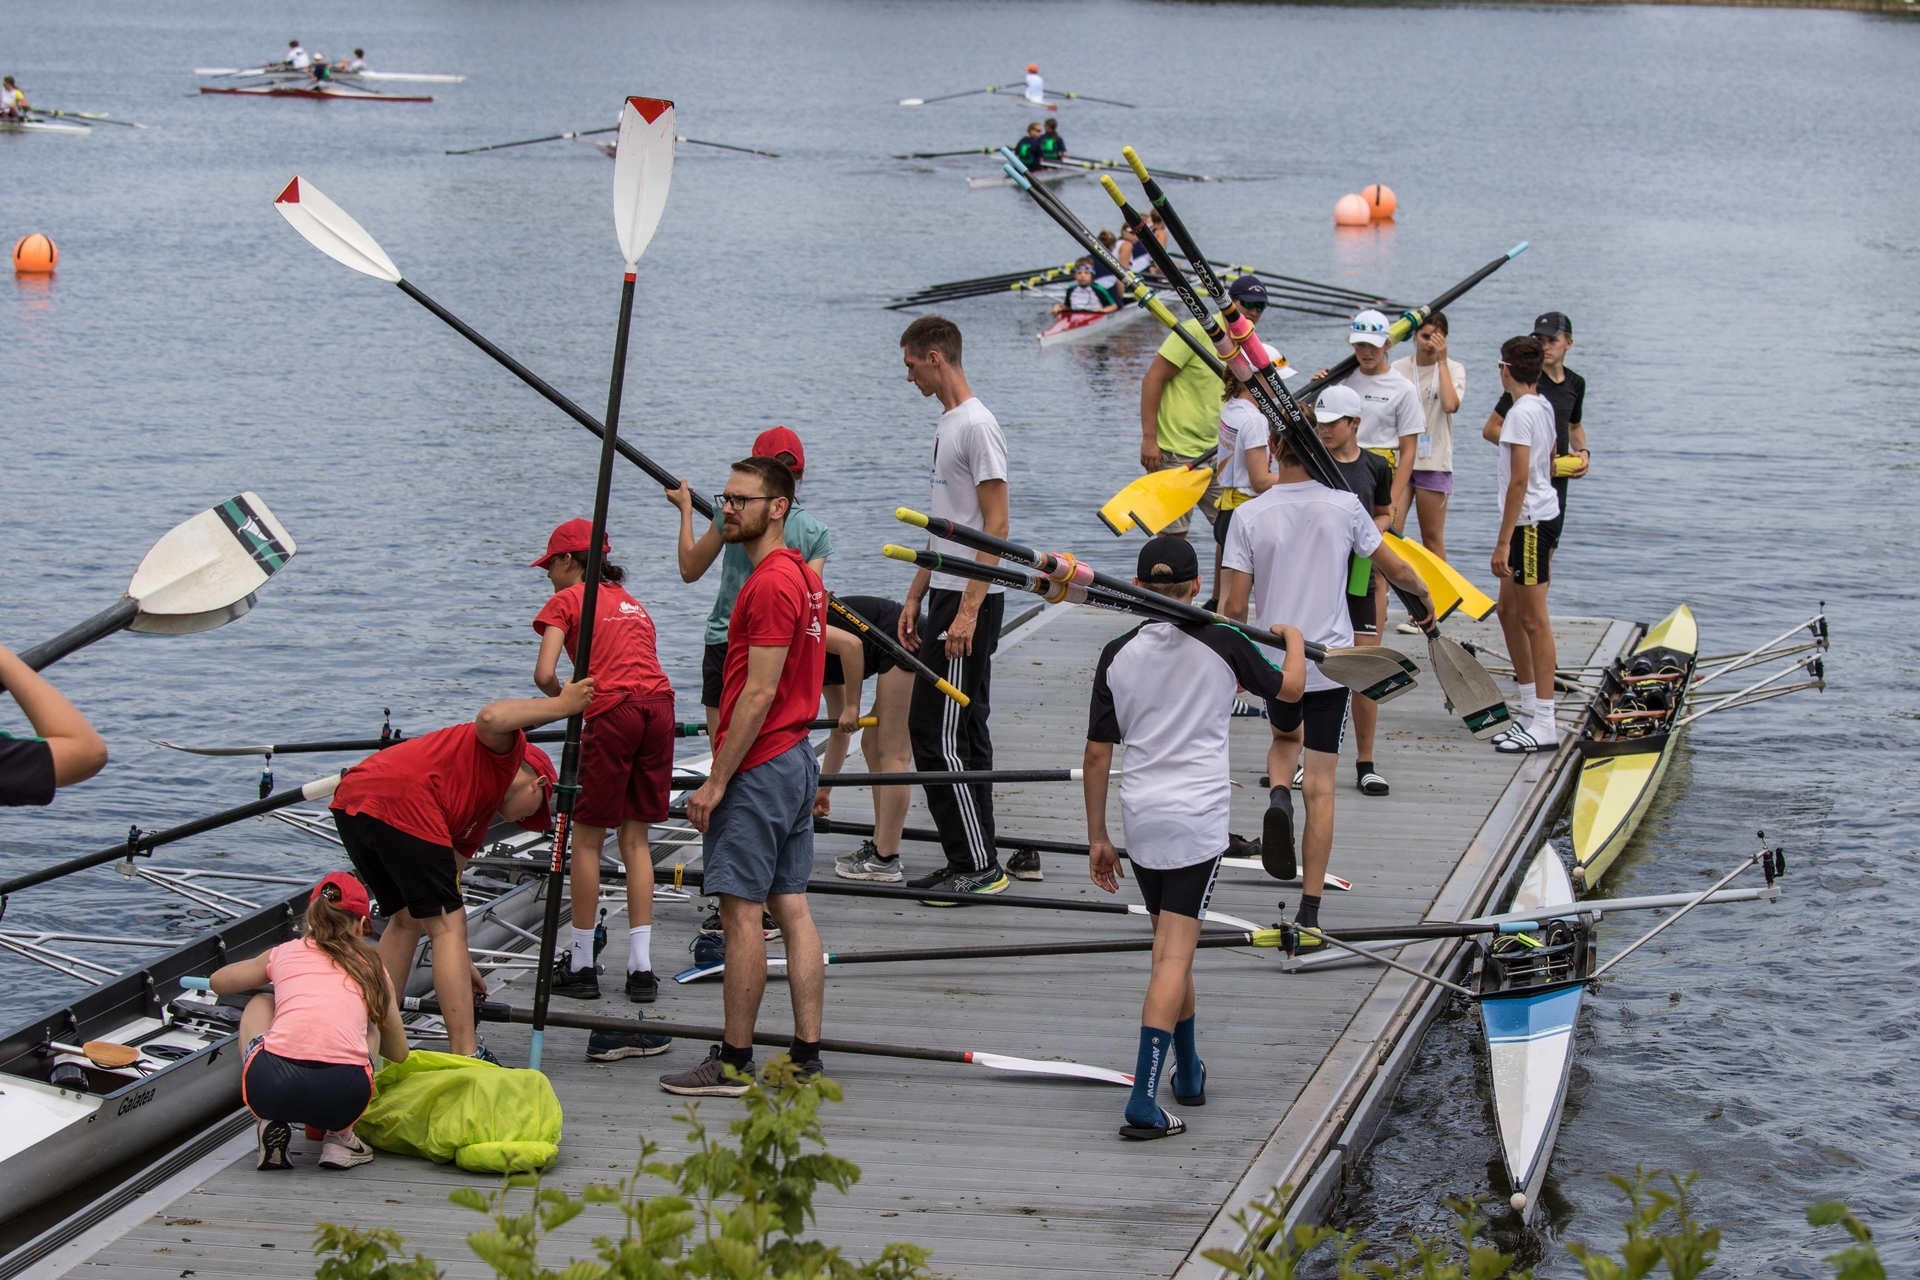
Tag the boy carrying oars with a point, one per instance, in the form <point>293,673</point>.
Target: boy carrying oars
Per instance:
<point>1167,691</point>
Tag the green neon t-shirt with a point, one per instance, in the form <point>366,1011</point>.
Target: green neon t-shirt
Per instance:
<point>1189,422</point>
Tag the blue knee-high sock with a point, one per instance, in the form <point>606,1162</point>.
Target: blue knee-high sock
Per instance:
<point>1143,1108</point>
<point>1189,1073</point>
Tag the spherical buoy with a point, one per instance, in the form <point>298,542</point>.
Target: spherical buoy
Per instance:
<point>1380,201</point>
<point>1351,211</point>
<point>1519,1201</point>
<point>34,255</point>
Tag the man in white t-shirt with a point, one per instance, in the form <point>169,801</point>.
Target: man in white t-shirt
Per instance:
<point>1167,691</point>
<point>962,626</point>
<point>1289,548</point>
<point>1524,546</point>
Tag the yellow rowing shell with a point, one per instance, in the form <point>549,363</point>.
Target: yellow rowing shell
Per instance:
<point>1618,780</point>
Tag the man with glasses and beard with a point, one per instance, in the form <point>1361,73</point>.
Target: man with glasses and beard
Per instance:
<point>755,810</point>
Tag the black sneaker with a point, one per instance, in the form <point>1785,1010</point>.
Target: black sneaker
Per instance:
<point>642,986</point>
<point>1025,865</point>
<point>1276,844</point>
<point>611,1046</point>
<point>768,929</point>
<point>572,983</point>
<point>992,880</point>
<point>709,948</point>
<point>708,1080</point>
<point>809,1071</point>
<point>270,1141</point>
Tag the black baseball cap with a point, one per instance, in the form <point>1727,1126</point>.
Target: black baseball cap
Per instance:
<point>1167,560</point>
<point>1551,324</point>
<point>1248,291</point>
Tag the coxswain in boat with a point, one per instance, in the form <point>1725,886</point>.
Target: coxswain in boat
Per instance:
<point>1167,691</point>
<point>298,59</point>
<point>754,811</point>
<point>64,750</point>
<point>13,103</point>
<point>1523,549</point>
<point>412,815</point>
<point>1291,548</point>
<point>311,1044</point>
<point>887,746</point>
<point>626,754</point>
<point>1053,147</point>
<point>1028,148</point>
<point>1085,294</point>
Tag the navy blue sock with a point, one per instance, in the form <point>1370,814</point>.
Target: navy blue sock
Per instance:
<point>1309,912</point>
<point>1143,1107</point>
<point>1189,1073</point>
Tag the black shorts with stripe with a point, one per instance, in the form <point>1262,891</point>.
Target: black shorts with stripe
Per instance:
<point>1323,711</point>
<point>1184,891</point>
<point>1531,553</point>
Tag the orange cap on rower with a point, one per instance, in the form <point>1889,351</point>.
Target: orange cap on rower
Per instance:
<point>34,255</point>
<point>1033,66</point>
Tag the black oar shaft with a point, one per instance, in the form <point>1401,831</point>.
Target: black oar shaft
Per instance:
<point>927,835</point>
<point>899,652</point>
<point>954,778</point>
<point>527,142</point>
<point>553,396</point>
<point>154,839</point>
<point>98,627</point>
<point>728,146</point>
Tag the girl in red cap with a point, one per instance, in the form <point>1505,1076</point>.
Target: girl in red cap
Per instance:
<point>311,1045</point>
<point>412,815</point>
<point>626,752</point>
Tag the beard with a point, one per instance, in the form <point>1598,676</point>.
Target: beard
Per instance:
<point>745,526</point>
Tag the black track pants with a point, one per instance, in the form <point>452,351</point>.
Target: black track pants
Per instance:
<point>947,736</point>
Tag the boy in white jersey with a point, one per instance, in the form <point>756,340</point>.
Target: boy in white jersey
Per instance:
<point>1167,691</point>
<point>1084,294</point>
<point>1524,547</point>
<point>1290,548</point>
<point>962,626</point>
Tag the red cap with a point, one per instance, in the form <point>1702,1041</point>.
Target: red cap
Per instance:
<point>574,535</point>
<point>349,894</point>
<point>775,441</point>
<point>542,818</point>
<point>1033,66</point>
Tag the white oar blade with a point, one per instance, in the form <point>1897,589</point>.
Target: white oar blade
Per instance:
<point>642,171</point>
<point>1037,1067</point>
<point>328,229</point>
<point>204,573</point>
<point>1475,698</point>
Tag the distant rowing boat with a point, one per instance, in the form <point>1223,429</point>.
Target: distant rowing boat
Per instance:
<point>1089,326</point>
<point>402,76</point>
<point>1048,176</point>
<point>319,90</point>
<point>43,126</point>
<point>1630,730</point>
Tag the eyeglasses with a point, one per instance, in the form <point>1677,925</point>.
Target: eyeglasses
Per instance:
<point>737,502</point>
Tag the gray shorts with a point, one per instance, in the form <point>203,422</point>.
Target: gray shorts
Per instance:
<point>1206,506</point>
<point>760,841</point>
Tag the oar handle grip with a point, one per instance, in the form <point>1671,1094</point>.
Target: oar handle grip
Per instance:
<point>101,625</point>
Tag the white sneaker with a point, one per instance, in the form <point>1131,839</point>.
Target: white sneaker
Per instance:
<point>343,1151</point>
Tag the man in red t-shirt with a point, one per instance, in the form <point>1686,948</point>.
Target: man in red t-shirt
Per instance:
<point>412,815</point>
<point>626,752</point>
<point>756,807</point>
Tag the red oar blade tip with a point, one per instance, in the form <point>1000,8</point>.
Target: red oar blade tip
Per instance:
<point>328,229</point>
<point>642,172</point>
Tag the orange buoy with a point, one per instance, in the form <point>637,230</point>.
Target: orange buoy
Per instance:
<point>1351,211</point>
<point>1381,201</point>
<point>34,255</point>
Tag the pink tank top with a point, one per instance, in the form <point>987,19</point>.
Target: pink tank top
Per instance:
<point>318,1015</point>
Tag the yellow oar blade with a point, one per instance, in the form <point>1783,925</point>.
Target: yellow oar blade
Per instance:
<point>1443,580</point>
<point>1156,499</point>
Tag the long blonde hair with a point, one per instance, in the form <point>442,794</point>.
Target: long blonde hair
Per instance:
<point>337,932</point>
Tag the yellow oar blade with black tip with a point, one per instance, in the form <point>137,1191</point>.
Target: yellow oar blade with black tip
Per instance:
<point>1156,499</point>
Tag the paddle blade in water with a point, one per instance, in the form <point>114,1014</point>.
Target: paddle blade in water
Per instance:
<point>1469,688</point>
<point>642,171</point>
<point>1445,582</point>
<point>328,229</point>
<point>204,573</point>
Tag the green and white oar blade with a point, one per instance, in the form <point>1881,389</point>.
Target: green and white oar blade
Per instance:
<point>1475,698</point>
<point>642,171</point>
<point>1369,671</point>
<point>205,572</point>
<point>328,229</point>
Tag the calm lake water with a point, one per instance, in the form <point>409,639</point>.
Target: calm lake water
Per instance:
<point>1722,199</point>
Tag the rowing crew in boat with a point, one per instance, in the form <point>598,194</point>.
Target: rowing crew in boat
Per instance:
<point>316,65</point>
<point>13,103</point>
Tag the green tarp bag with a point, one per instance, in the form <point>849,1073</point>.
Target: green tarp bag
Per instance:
<point>445,1107</point>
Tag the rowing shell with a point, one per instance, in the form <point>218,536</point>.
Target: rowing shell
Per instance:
<point>323,92</point>
<point>1531,985</point>
<point>1046,176</point>
<point>42,126</point>
<point>1086,326</point>
<point>1627,741</point>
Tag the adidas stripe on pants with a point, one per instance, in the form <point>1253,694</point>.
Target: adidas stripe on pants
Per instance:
<point>947,736</point>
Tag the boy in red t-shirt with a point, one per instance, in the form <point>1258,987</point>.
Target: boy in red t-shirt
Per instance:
<point>626,752</point>
<point>756,808</point>
<point>412,815</point>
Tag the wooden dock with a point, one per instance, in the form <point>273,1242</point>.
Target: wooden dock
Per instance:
<point>999,1175</point>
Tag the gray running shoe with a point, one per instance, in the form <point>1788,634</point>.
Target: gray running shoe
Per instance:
<point>270,1141</point>
<point>869,865</point>
<point>708,1080</point>
<point>1025,865</point>
<point>992,880</point>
